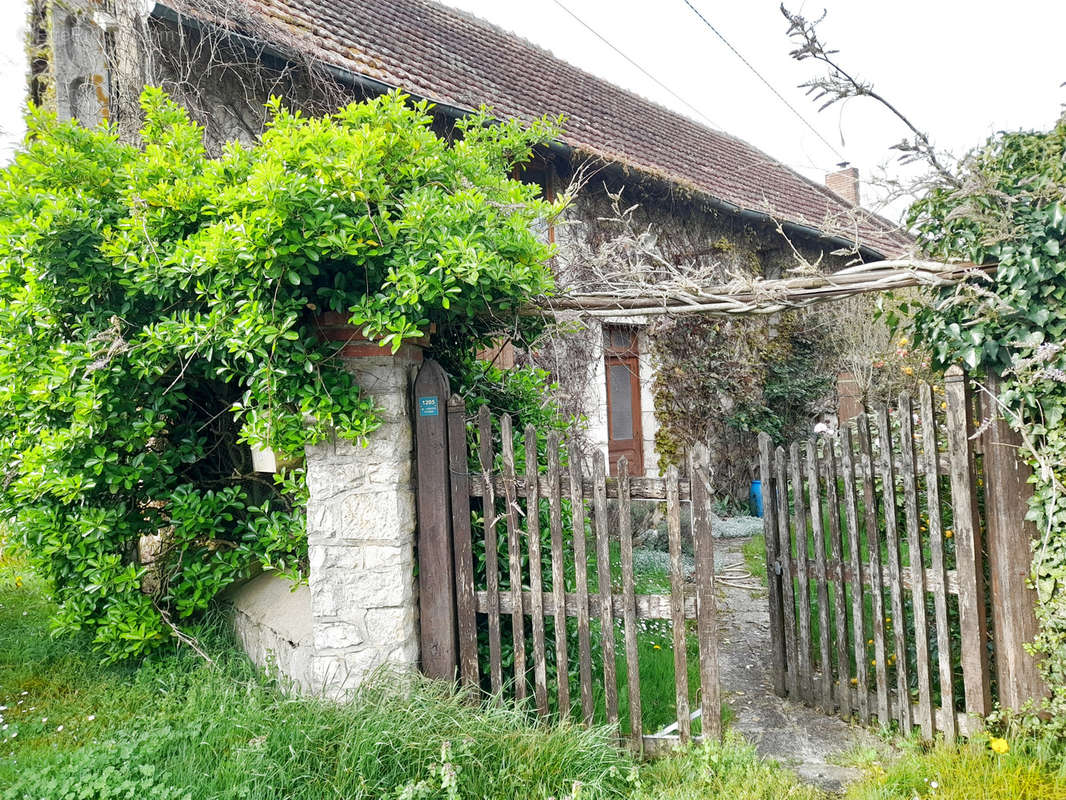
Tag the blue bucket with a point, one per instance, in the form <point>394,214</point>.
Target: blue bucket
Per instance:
<point>755,498</point>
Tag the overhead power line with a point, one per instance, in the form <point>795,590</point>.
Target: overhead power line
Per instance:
<point>645,72</point>
<point>769,85</point>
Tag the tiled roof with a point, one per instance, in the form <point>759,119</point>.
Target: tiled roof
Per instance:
<point>447,56</point>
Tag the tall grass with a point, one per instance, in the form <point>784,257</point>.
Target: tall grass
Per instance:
<point>1031,769</point>
<point>227,732</point>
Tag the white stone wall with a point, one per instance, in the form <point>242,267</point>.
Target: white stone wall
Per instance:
<point>359,611</point>
<point>272,622</point>
<point>361,536</point>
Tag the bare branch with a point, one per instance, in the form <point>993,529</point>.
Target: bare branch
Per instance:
<point>840,85</point>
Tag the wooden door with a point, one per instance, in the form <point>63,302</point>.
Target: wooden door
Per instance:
<point>622,369</point>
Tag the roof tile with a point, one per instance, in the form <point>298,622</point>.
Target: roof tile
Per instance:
<point>450,57</point>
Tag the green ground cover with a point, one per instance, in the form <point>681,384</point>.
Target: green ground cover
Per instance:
<point>173,727</point>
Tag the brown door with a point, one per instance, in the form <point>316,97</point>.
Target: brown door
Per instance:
<point>624,437</point>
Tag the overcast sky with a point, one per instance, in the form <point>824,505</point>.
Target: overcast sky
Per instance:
<point>960,69</point>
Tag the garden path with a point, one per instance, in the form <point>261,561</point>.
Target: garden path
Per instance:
<point>803,739</point>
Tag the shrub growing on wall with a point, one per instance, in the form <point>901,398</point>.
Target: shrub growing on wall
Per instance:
<point>722,381</point>
<point>1009,208</point>
<point>157,315</point>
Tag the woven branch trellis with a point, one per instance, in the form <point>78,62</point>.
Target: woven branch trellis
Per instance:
<point>757,296</point>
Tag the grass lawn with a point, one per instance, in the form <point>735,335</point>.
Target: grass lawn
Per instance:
<point>175,728</point>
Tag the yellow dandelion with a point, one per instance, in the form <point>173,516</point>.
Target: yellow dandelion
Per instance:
<point>869,641</point>
<point>908,370</point>
<point>943,406</point>
<point>18,581</point>
<point>949,533</point>
<point>998,745</point>
<point>854,681</point>
<point>903,342</point>
<point>888,620</point>
<point>873,662</point>
<point>656,647</point>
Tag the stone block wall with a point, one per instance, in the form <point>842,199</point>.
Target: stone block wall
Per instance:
<point>359,611</point>
<point>361,536</point>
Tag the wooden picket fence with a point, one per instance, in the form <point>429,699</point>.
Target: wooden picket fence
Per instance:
<point>877,602</point>
<point>456,609</point>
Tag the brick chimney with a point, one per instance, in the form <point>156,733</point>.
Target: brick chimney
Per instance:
<point>845,183</point>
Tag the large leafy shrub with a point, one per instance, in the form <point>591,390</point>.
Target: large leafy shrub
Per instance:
<point>1009,208</point>
<point>157,315</point>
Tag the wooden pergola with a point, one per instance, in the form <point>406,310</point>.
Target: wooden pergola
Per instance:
<point>753,295</point>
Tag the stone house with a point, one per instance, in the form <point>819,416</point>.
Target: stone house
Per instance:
<point>711,200</point>
<point>703,200</point>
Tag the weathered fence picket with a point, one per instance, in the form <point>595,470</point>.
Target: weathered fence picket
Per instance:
<point>545,514</point>
<point>909,472</point>
<point>773,579</point>
<point>581,580</point>
<point>874,567</point>
<point>492,569</point>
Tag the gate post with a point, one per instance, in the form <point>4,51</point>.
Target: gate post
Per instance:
<point>968,543</point>
<point>1010,537</point>
<point>436,583</point>
<point>361,526</point>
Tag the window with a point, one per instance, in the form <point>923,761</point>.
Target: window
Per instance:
<point>622,367</point>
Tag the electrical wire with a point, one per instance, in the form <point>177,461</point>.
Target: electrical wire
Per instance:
<point>645,72</point>
<point>769,86</point>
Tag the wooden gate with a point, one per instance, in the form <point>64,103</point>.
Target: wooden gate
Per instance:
<point>877,590</point>
<point>538,595</point>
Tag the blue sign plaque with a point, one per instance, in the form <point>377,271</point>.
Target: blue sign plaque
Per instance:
<point>428,407</point>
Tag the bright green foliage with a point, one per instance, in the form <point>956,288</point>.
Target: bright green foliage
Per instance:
<point>1024,769</point>
<point>1012,211</point>
<point>157,314</point>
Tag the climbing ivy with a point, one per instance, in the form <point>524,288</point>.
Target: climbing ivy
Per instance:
<point>157,316</point>
<point>1011,211</point>
<point>764,375</point>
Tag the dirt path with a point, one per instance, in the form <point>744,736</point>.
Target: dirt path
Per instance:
<point>801,738</point>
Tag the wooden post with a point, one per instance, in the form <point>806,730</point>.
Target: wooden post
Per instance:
<point>803,605</point>
<point>968,545</point>
<point>581,583</point>
<point>858,623</point>
<point>463,546</point>
<point>536,576</point>
<point>788,590</point>
<point>436,585</point>
<point>773,574</point>
<point>874,571</point>
<point>821,577</point>
<point>514,556</point>
<point>895,570</point>
<point>555,522</point>
<point>1010,536</point>
<point>603,587</point>
<point>931,465</point>
<point>677,604</point>
<point>629,605</point>
<point>706,603</point>
<point>492,567</point>
<point>909,470</point>
<point>836,549</point>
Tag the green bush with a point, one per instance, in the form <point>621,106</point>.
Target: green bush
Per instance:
<point>157,315</point>
<point>1008,210</point>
